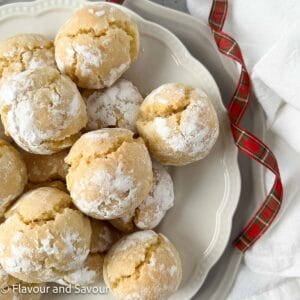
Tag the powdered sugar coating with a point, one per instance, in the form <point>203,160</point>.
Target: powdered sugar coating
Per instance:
<point>90,273</point>
<point>25,51</point>
<point>116,106</point>
<point>152,210</point>
<point>143,265</point>
<point>40,244</point>
<point>118,189</point>
<point>96,46</point>
<point>53,107</point>
<point>91,58</point>
<point>179,124</point>
<point>105,179</point>
<point>193,134</point>
<point>134,239</point>
<point>160,199</point>
<point>116,73</point>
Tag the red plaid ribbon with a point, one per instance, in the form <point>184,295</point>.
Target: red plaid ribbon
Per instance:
<point>245,141</point>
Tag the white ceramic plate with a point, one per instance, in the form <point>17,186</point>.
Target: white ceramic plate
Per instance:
<point>206,192</point>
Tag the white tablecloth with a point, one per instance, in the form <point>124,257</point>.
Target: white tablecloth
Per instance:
<point>268,32</point>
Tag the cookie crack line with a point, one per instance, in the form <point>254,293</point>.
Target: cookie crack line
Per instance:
<point>44,218</point>
<point>90,30</point>
<point>149,251</point>
<point>111,25</point>
<point>19,59</point>
<point>167,114</point>
<point>110,151</point>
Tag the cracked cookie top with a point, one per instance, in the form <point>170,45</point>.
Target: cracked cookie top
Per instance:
<point>96,45</point>
<point>43,236</point>
<point>110,172</point>
<point>179,124</point>
<point>116,106</point>
<point>13,175</point>
<point>42,110</point>
<point>25,51</point>
<point>144,265</point>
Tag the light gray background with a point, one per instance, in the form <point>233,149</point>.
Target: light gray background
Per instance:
<point>176,4</point>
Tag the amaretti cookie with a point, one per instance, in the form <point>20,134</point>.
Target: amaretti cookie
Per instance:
<point>25,51</point>
<point>116,106</point>
<point>152,210</point>
<point>178,123</point>
<point>13,175</point>
<point>46,168</point>
<point>144,265</point>
<point>12,288</point>
<point>96,45</point>
<point>110,172</point>
<point>42,110</point>
<point>44,237</point>
<point>91,272</point>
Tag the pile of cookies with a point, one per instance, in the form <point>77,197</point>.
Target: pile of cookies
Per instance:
<point>82,154</point>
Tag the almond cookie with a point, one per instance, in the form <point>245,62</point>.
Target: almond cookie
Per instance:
<point>96,45</point>
<point>143,265</point>
<point>45,168</point>
<point>152,210</point>
<point>42,110</point>
<point>178,123</point>
<point>13,175</point>
<point>116,106</point>
<point>110,172</point>
<point>91,273</point>
<point>44,237</point>
<point>25,51</point>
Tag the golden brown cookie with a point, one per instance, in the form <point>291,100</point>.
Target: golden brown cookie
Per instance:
<point>178,123</point>
<point>144,265</point>
<point>42,110</point>
<point>44,237</point>
<point>110,172</point>
<point>25,51</point>
<point>96,45</point>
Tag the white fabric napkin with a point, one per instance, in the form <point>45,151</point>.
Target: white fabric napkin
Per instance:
<point>268,33</point>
